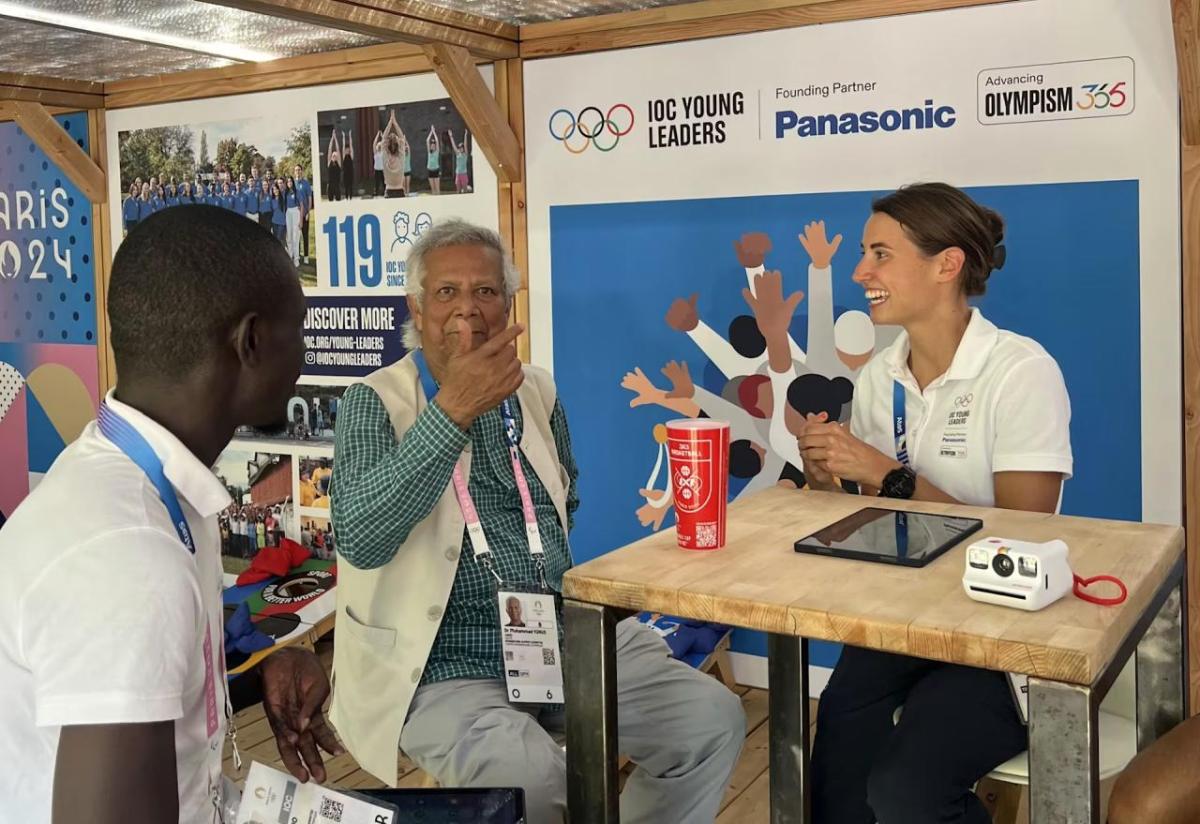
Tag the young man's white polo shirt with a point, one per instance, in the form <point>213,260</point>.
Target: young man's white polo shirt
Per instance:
<point>103,615</point>
<point>1002,406</point>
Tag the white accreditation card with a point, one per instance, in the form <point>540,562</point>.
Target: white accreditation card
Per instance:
<point>273,797</point>
<point>529,637</point>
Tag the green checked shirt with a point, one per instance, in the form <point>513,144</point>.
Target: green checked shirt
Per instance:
<point>382,488</point>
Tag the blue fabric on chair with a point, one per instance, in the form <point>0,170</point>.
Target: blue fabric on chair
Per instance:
<point>241,634</point>
<point>690,641</point>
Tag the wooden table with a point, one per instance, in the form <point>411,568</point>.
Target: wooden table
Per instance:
<point>1072,650</point>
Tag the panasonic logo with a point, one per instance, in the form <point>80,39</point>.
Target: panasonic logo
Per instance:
<point>929,116</point>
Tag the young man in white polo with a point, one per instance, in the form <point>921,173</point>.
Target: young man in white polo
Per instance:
<point>115,706</point>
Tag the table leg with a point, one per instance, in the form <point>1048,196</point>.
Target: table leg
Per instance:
<point>1161,672</point>
<point>1064,754</point>
<point>590,687</point>
<point>787,681</point>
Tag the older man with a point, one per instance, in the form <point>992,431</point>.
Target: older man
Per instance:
<point>419,661</point>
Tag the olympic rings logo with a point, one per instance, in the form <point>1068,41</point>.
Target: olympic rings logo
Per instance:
<point>964,400</point>
<point>591,127</point>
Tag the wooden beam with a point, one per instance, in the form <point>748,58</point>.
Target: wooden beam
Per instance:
<point>489,126</point>
<point>62,149</point>
<point>1186,17</point>
<point>376,22</point>
<point>304,62</point>
<point>8,110</point>
<point>51,97</point>
<point>712,18</point>
<point>450,17</point>
<point>194,89</point>
<point>37,81</point>
<point>662,15</point>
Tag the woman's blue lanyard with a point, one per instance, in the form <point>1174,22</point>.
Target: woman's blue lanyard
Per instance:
<point>901,432</point>
<point>899,424</point>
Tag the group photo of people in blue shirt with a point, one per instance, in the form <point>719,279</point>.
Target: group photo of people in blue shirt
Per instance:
<point>267,179</point>
<point>402,150</point>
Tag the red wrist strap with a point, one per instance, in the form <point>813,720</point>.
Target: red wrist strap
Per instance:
<point>1081,583</point>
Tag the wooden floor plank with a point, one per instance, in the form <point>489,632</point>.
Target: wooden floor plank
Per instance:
<point>752,806</point>
<point>754,703</point>
<point>752,764</point>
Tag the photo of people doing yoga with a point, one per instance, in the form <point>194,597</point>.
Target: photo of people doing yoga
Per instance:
<point>400,150</point>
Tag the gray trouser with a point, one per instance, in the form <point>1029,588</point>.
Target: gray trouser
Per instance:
<point>683,729</point>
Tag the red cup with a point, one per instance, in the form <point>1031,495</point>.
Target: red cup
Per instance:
<point>699,458</point>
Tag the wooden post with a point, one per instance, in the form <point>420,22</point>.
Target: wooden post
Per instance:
<point>520,225</point>
<point>102,253</point>
<point>1186,17</point>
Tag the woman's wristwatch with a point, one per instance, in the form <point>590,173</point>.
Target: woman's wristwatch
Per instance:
<point>901,482</point>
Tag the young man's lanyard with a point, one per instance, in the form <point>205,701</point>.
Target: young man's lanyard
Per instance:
<point>479,544</point>
<point>126,438</point>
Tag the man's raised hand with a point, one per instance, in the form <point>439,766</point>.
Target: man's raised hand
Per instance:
<point>479,378</point>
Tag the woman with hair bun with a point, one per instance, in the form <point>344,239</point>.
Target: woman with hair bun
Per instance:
<point>954,411</point>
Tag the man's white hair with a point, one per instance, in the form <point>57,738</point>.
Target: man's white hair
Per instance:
<point>452,232</point>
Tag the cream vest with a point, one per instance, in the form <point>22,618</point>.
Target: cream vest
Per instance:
<point>387,618</point>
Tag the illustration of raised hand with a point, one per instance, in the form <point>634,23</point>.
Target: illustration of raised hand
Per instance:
<point>682,316</point>
<point>642,387</point>
<point>772,311</point>
<point>819,249</point>
<point>752,249</point>
<point>681,380</point>
<point>650,515</point>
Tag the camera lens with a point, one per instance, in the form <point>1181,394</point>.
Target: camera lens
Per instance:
<point>1002,565</point>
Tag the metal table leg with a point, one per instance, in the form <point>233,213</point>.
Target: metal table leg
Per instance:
<point>1162,671</point>
<point>590,686</point>
<point>791,795</point>
<point>1064,754</point>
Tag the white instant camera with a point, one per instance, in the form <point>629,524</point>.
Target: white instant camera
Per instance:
<point>1017,573</point>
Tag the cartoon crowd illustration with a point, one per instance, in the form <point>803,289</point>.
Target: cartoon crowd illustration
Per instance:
<point>772,386</point>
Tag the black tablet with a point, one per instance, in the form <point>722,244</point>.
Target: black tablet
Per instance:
<point>441,805</point>
<point>890,537</point>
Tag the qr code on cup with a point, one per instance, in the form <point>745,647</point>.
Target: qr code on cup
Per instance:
<point>706,535</point>
<point>331,810</point>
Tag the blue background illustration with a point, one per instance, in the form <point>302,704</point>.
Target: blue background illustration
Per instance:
<point>1071,281</point>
